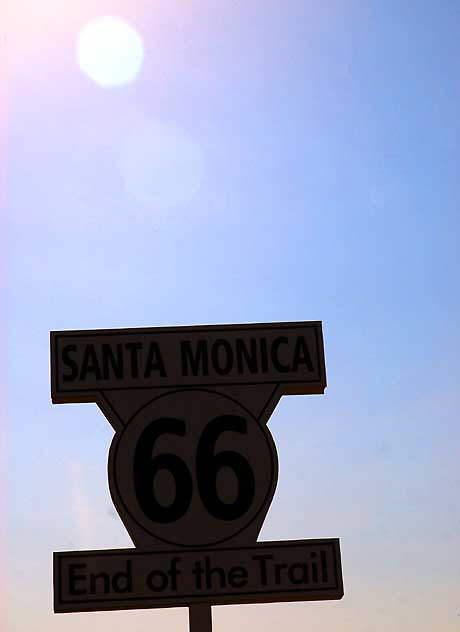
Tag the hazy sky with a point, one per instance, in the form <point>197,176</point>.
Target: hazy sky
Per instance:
<point>271,161</point>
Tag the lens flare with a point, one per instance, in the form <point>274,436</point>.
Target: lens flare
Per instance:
<point>109,51</point>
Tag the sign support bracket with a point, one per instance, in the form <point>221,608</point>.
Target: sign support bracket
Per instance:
<point>200,618</point>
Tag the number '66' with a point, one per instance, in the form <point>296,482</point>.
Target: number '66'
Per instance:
<point>208,465</point>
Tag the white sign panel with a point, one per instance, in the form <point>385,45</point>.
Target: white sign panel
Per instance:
<point>301,570</point>
<point>85,362</point>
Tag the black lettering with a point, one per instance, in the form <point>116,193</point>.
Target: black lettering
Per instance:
<point>93,582</point>
<point>198,572</point>
<point>282,368</point>
<point>222,369</point>
<point>209,572</point>
<point>154,361</point>
<point>67,360</point>
<point>123,576</point>
<point>73,579</point>
<point>263,355</point>
<point>152,583</point>
<point>244,357</point>
<point>302,577</point>
<point>90,364</point>
<point>278,569</point>
<point>324,572</point>
<point>133,348</point>
<point>314,568</point>
<point>262,559</point>
<point>194,361</point>
<point>174,572</point>
<point>237,577</point>
<point>301,355</point>
<point>112,363</point>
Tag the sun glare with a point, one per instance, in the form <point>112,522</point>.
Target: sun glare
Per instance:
<point>109,51</point>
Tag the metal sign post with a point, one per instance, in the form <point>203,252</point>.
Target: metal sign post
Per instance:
<point>192,466</point>
<point>200,618</point>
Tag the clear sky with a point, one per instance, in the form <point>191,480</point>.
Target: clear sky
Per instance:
<point>269,161</point>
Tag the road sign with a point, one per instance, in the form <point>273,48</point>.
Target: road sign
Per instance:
<point>192,465</point>
<point>301,570</point>
<point>88,362</point>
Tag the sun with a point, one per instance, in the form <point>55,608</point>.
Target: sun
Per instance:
<point>109,51</point>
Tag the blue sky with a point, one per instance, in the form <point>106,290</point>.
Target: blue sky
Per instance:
<point>312,174</point>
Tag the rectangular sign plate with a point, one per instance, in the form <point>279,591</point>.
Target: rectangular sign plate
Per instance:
<point>292,570</point>
<point>84,363</point>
